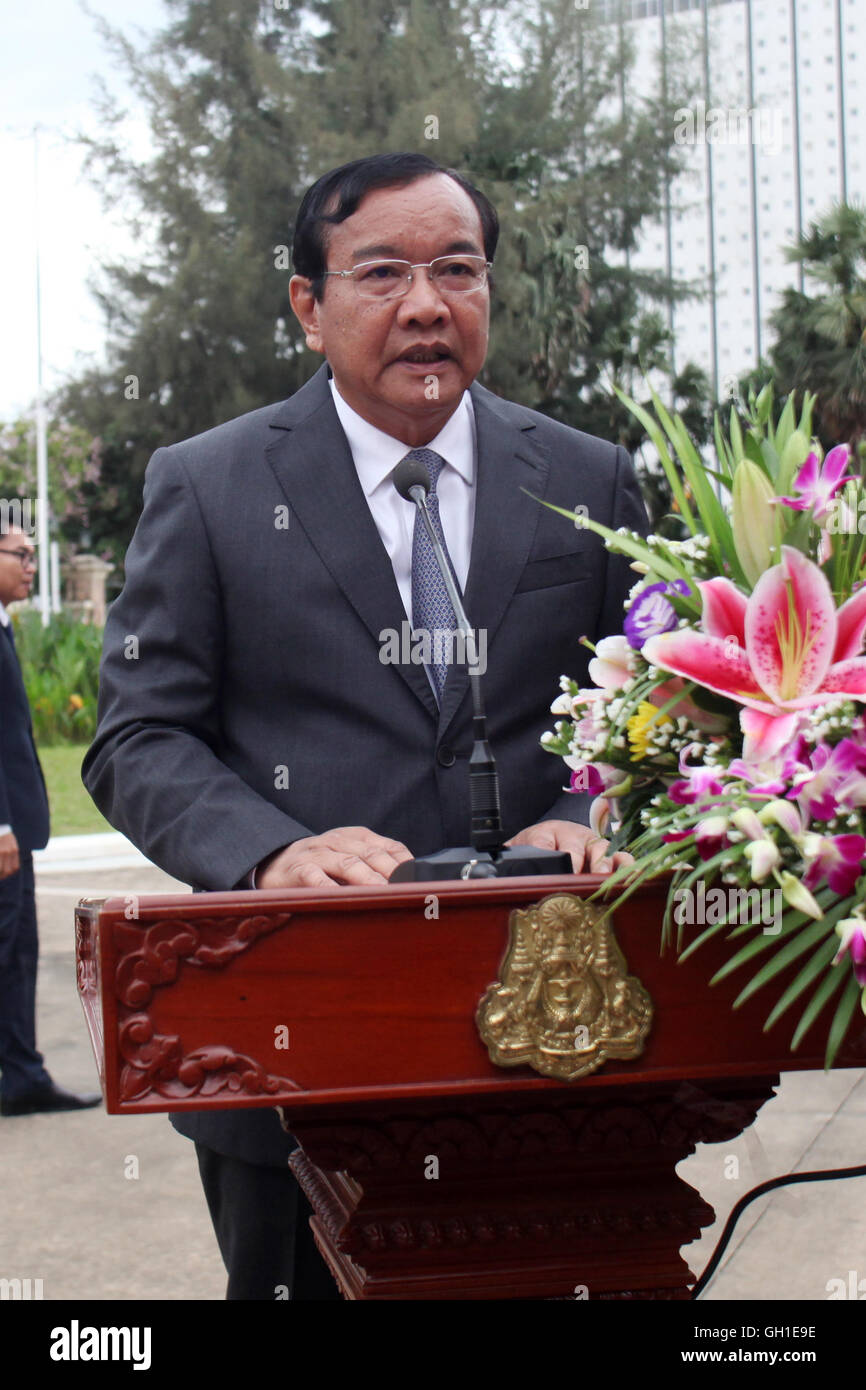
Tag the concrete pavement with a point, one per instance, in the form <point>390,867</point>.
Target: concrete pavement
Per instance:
<point>73,1213</point>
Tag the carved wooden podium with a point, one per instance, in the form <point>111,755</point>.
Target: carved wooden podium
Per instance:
<point>434,1172</point>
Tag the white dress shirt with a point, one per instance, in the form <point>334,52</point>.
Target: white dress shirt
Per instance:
<point>376,455</point>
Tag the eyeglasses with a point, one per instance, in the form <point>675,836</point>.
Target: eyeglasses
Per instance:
<point>391,279</point>
<point>26,558</point>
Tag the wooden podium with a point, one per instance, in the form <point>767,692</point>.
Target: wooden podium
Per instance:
<point>433,1172</point>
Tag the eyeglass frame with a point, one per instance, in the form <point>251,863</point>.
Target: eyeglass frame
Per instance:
<point>408,279</point>
<point>24,557</point>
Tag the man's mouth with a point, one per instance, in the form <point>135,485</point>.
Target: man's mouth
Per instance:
<point>425,355</point>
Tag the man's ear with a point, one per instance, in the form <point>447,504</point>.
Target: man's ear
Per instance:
<point>306,309</point>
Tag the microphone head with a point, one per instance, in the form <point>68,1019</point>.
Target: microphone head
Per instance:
<point>411,473</point>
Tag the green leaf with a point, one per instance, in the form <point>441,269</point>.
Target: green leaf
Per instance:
<point>736,437</point>
<point>624,545</point>
<point>824,954</point>
<point>789,952</point>
<point>825,991</point>
<point>758,944</point>
<point>671,472</point>
<point>842,1017</point>
<point>723,452</point>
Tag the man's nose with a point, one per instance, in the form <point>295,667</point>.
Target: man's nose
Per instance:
<point>423,299</point>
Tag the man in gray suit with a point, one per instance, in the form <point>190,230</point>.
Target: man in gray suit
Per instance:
<point>254,728</point>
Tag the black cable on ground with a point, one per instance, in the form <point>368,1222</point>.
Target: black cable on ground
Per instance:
<point>823,1176</point>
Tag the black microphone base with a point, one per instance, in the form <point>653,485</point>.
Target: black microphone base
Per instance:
<point>517,861</point>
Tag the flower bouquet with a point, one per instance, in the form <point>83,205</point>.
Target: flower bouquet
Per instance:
<point>724,740</point>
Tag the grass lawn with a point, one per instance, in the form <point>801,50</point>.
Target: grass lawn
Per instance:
<point>72,811</point>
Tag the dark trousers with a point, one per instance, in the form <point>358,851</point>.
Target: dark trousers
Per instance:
<point>21,1066</point>
<point>261,1220</point>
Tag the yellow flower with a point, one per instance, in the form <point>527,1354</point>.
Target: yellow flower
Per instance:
<point>76,702</point>
<point>640,728</point>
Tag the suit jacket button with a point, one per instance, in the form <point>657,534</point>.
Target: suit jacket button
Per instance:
<point>446,757</point>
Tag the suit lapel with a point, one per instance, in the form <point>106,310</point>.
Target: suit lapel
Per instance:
<point>509,459</point>
<point>310,457</point>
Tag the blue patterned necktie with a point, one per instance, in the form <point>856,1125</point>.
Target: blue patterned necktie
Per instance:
<point>431,606</point>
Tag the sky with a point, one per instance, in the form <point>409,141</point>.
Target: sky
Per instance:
<point>50,55</point>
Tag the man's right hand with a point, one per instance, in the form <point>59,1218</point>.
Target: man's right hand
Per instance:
<point>10,863</point>
<point>349,854</point>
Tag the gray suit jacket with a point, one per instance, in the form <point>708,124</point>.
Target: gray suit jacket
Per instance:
<point>243,702</point>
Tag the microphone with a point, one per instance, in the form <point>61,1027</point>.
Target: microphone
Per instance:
<point>488,856</point>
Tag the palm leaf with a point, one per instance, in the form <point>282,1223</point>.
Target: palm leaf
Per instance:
<point>789,952</point>
<point>825,991</point>
<point>842,1017</point>
<point>824,954</point>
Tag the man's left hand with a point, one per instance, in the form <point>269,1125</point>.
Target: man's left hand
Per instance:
<point>588,850</point>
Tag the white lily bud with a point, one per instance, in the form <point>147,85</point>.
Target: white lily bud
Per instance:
<point>712,827</point>
<point>782,813</point>
<point>799,897</point>
<point>763,857</point>
<point>599,815</point>
<point>753,519</point>
<point>744,819</point>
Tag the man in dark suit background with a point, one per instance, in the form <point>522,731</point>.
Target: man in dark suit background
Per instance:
<point>253,730</point>
<point>25,1086</point>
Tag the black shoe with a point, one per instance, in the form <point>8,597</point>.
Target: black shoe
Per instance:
<point>49,1097</point>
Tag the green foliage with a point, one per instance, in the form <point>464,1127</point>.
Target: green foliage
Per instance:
<point>61,673</point>
<point>72,810</point>
<point>74,475</point>
<point>821,334</point>
<point>248,103</point>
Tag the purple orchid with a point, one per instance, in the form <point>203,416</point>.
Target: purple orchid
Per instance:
<point>768,778</point>
<point>696,783</point>
<point>853,942</point>
<point>651,614</point>
<point>711,836</point>
<point>829,778</point>
<point>838,858</point>
<point>586,778</point>
<point>818,486</point>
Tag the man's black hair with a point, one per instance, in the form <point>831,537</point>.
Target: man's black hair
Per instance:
<point>336,195</point>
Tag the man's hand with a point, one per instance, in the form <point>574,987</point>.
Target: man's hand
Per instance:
<point>349,854</point>
<point>9,860</point>
<point>588,850</point>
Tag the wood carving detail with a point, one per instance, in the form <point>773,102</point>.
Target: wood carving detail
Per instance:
<point>156,1064</point>
<point>86,967</point>
<point>152,956</point>
<point>554,1226</point>
<point>678,1121</point>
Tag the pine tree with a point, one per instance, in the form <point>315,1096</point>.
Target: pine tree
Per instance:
<point>249,101</point>
<point>821,335</point>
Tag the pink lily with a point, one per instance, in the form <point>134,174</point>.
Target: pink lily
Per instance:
<point>784,649</point>
<point>818,486</point>
<point>697,717</point>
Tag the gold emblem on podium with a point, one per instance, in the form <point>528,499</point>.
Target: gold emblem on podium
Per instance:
<point>565,1003</point>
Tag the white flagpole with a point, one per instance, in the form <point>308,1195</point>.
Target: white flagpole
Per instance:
<point>41,432</point>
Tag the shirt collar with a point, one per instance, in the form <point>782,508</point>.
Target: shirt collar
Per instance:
<point>377,454</point>
<point>4,617</point>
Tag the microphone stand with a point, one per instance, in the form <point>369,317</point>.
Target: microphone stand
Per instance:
<point>488,856</point>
